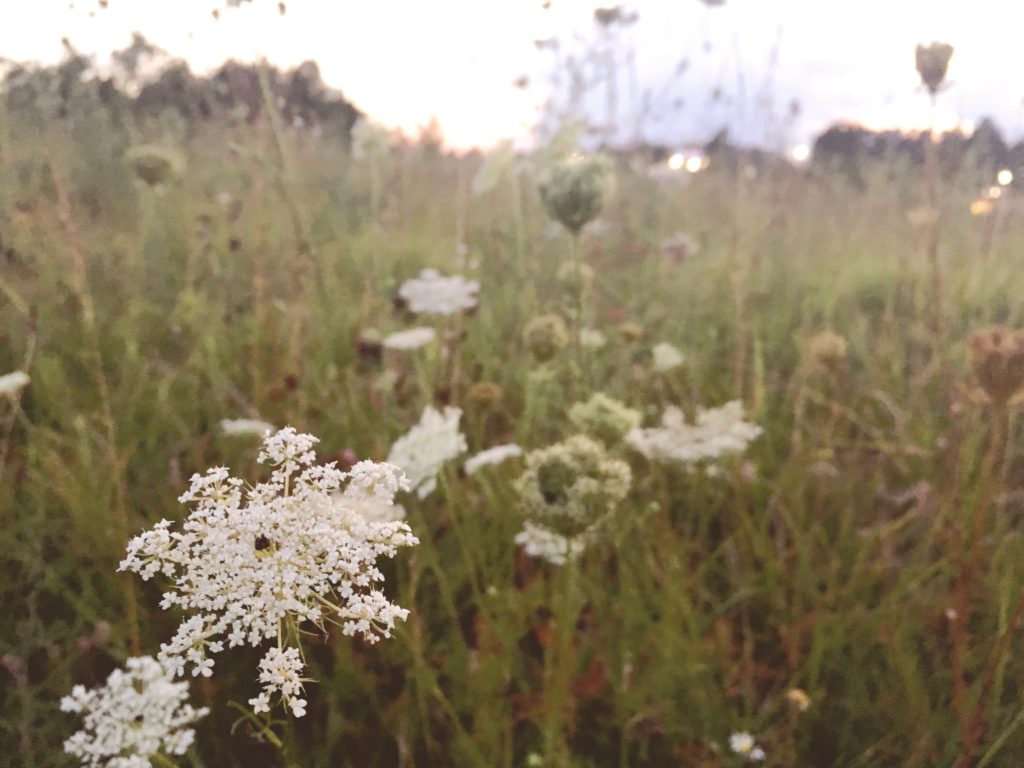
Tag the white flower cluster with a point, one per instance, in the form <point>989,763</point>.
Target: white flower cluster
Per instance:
<point>252,564</point>
<point>434,294</point>
<point>568,491</point>
<point>592,338</point>
<point>139,712</point>
<point>538,541</point>
<point>743,744</point>
<point>413,338</point>
<point>717,433</point>
<point>281,671</point>
<point>495,455</point>
<point>242,427</point>
<point>12,383</point>
<point>667,357</point>
<point>422,451</point>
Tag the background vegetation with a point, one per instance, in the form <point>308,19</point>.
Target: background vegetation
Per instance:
<point>832,558</point>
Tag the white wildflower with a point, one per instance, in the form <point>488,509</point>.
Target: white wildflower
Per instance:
<point>717,433</point>
<point>495,455</point>
<point>592,338</point>
<point>538,541</point>
<point>12,383</point>
<point>667,357</point>
<point>281,672</point>
<point>570,487</point>
<point>413,338</point>
<point>743,744</point>
<point>139,712</point>
<point>371,490</point>
<point>252,564</point>
<point>423,450</point>
<point>246,427</point>
<point>434,294</point>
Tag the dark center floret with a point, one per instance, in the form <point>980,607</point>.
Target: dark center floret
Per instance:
<point>262,543</point>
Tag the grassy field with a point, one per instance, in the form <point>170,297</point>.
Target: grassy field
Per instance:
<point>864,552</point>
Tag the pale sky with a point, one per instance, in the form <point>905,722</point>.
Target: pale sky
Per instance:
<point>405,61</point>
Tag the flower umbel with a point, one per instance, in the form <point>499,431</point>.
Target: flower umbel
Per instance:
<point>251,565</point>
<point>424,449</point>
<point>571,486</point>
<point>717,433</point>
<point>932,61</point>
<point>139,712</point>
<point>743,744</point>
<point>574,190</point>
<point>434,294</point>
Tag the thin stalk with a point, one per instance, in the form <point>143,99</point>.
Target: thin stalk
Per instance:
<point>937,317</point>
<point>557,671</point>
<point>576,313</point>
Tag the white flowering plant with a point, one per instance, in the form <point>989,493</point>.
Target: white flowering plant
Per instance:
<point>252,565</point>
<point>138,715</point>
<point>423,450</point>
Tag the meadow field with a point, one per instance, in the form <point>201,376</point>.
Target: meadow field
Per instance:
<point>793,534</point>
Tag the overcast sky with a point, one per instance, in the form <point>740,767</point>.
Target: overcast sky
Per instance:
<point>405,61</point>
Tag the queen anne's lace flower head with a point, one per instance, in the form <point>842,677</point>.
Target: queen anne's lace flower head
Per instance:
<point>718,432</point>
<point>592,338</point>
<point>541,542</point>
<point>434,294</point>
<point>743,744</point>
<point>667,357</point>
<point>424,449</point>
<point>245,427</point>
<point>250,565</point>
<point>571,486</point>
<point>495,455</point>
<point>12,383</point>
<point>413,338</point>
<point>139,712</point>
<point>604,417</point>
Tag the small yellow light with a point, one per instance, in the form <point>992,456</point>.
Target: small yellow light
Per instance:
<point>981,207</point>
<point>694,164</point>
<point>801,153</point>
<point>677,161</point>
<point>1005,177</point>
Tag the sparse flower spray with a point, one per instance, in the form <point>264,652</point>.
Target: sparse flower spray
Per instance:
<point>260,565</point>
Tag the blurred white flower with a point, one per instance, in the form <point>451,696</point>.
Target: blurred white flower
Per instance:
<point>667,357</point>
<point>139,712</point>
<point>718,432</point>
<point>424,449</point>
<point>12,383</point>
<point>246,427</point>
<point>434,294</point>
<point>592,338</point>
<point>251,564</point>
<point>413,338</point>
<point>495,455</point>
<point>538,541</point>
<point>743,744</point>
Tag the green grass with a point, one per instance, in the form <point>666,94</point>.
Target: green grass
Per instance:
<point>798,568</point>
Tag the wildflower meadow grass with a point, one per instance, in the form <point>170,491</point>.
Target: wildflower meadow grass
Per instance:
<point>685,473</point>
